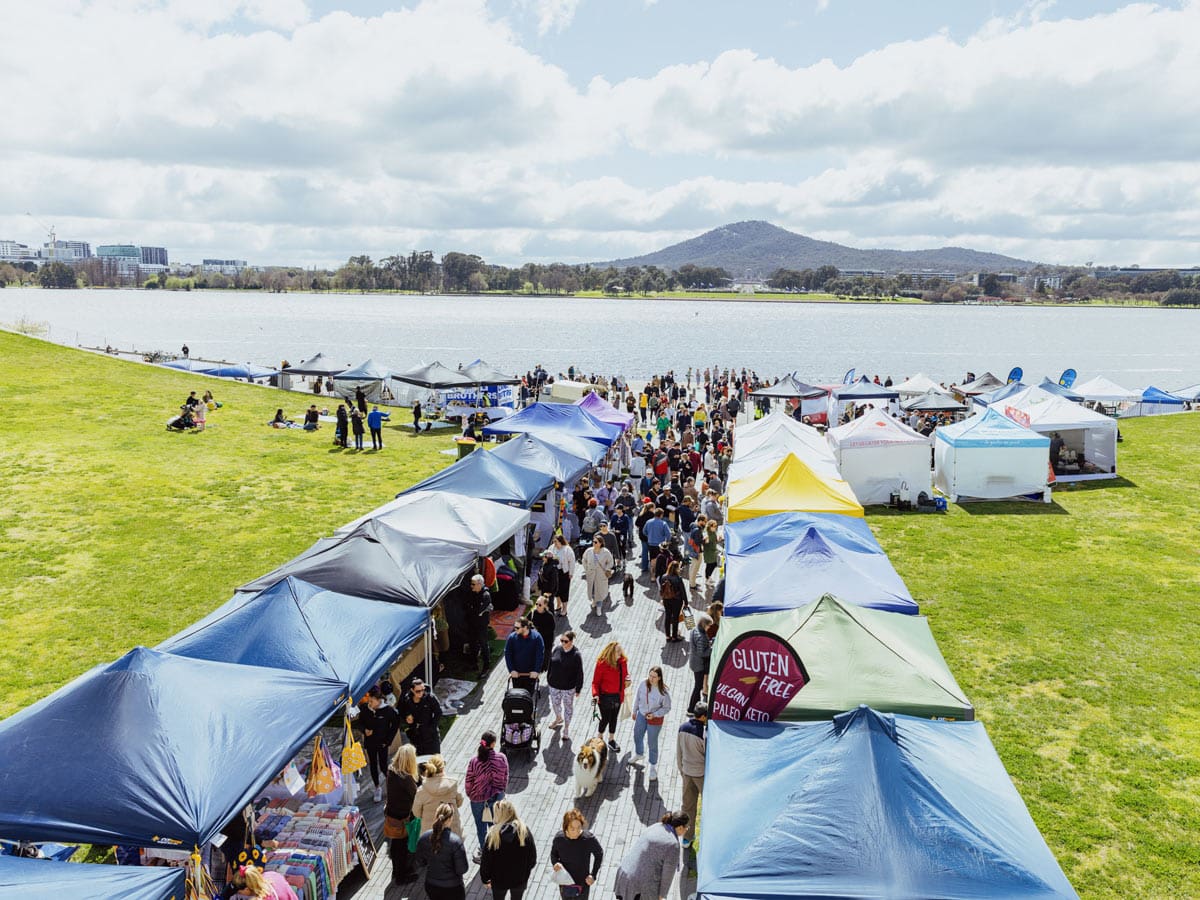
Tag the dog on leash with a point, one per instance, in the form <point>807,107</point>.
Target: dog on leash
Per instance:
<point>627,588</point>
<point>589,766</point>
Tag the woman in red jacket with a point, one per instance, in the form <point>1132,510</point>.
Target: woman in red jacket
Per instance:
<point>609,680</point>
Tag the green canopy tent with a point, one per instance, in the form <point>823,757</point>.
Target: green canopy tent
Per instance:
<point>826,657</point>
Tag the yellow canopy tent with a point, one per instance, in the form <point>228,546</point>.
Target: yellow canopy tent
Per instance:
<point>790,485</point>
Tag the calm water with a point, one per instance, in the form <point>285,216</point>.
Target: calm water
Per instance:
<point>1134,347</point>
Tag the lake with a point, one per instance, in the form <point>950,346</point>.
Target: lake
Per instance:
<point>820,341</point>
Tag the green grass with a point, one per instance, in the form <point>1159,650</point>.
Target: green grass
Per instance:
<point>115,532</point>
<point>1071,626</point>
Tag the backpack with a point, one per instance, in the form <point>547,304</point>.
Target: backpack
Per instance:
<point>666,590</point>
<point>695,542</point>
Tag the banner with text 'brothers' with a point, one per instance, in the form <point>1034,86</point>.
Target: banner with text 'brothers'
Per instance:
<point>756,678</point>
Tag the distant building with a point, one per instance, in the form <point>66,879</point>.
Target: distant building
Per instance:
<point>224,266</point>
<point>925,277</point>
<point>16,252</point>
<point>1001,277</point>
<point>126,257</point>
<point>67,251</point>
<point>862,273</point>
<point>748,285</point>
<point>154,256</point>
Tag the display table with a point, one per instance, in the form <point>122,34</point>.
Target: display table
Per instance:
<point>316,844</point>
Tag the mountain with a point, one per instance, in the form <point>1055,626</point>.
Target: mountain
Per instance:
<point>760,248</point>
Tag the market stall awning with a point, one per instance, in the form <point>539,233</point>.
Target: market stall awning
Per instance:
<point>1053,387</point>
<point>478,525</point>
<point>605,411</point>
<point>865,389</point>
<point>789,387</point>
<point>534,453</point>
<point>1102,390</point>
<point>434,376</point>
<point>299,626</point>
<point>482,374</point>
<point>848,655</point>
<point>43,879</point>
<point>548,419</point>
<point>489,477</point>
<point>153,750</point>
<point>810,566</point>
<point>917,385</point>
<point>242,370</point>
<point>769,532</point>
<point>769,439</point>
<point>981,385</point>
<point>368,370</point>
<point>1000,393</point>
<point>934,401</point>
<point>190,365</point>
<point>318,365</point>
<point>379,563</point>
<point>868,805</point>
<point>791,485</point>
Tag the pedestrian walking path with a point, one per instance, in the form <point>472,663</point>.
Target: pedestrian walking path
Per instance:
<point>543,788</point>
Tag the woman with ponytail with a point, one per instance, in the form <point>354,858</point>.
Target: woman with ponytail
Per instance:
<point>444,857</point>
<point>252,881</point>
<point>487,780</point>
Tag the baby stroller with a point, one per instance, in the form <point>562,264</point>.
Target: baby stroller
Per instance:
<point>519,730</point>
<point>183,421</point>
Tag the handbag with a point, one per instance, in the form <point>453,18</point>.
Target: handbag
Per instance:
<point>353,757</point>
<point>320,778</point>
<point>655,720</point>
<point>251,854</point>
<point>414,834</point>
<point>626,709</point>
<point>394,828</point>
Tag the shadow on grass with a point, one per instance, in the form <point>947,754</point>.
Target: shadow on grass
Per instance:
<point>1075,487</point>
<point>1012,508</point>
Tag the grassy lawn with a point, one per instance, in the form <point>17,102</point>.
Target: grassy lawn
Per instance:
<point>1072,626</point>
<point>115,532</point>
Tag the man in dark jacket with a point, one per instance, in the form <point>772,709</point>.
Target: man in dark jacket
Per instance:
<point>478,612</point>
<point>422,712</point>
<point>524,652</point>
<point>379,723</point>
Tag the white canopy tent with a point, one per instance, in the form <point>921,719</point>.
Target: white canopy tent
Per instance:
<point>877,455</point>
<point>1190,394</point>
<point>772,438</point>
<point>990,457</point>
<point>1089,450</point>
<point>918,385</point>
<point>1101,390</point>
<point>479,525</point>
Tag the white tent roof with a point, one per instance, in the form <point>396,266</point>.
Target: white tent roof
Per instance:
<point>1189,393</point>
<point>772,438</point>
<point>985,382</point>
<point>1103,390</point>
<point>1048,412</point>
<point>919,384</point>
<point>479,525</point>
<point>875,428</point>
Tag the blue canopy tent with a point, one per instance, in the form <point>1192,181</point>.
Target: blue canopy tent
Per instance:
<point>987,399</point>
<point>154,750</point>
<point>548,419</point>
<point>1053,387</point>
<point>242,370</point>
<point>299,626</point>
<point>1154,402</point>
<point>860,392</point>
<point>808,567</point>
<point>545,456</point>
<point>189,365</point>
<point>868,805</point>
<point>488,477</point>
<point>766,533</point>
<point>40,879</point>
<point>378,563</point>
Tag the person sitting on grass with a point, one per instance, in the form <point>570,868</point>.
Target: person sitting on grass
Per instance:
<point>280,420</point>
<point>312,418</point>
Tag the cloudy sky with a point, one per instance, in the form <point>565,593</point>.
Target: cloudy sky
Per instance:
<point>304,131</point>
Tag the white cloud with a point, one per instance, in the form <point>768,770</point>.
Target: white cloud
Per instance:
<point>247,124</point>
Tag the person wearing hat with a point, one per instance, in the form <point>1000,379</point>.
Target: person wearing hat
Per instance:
<point>549,575</point>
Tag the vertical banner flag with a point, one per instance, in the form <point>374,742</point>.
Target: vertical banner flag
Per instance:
<point>757,677</point>
<point>1016,374</point>
<point>1067,378</point>
<point>848,378</point>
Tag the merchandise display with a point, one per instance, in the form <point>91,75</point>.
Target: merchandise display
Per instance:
<point>316,847</point>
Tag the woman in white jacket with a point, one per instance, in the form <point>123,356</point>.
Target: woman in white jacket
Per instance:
<point>651,704</point>
<point>598,568</point>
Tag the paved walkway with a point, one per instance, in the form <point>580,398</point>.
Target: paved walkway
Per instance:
<point>544,788</point>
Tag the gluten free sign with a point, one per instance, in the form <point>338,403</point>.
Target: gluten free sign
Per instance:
<point>756,678</point>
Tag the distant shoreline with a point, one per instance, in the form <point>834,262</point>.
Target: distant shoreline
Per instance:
<point>721,297</point>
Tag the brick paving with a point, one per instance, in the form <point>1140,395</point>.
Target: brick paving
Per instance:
<point>542,790</point>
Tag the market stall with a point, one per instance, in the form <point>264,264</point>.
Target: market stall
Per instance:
<point>41,879</point>
<point>878,455</point>
<point>990,457</point>
<point>788,486</point>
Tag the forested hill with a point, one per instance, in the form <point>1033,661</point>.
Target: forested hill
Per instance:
<point>761,248</point>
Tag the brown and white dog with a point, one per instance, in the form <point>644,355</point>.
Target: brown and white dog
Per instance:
<point>589,766</point>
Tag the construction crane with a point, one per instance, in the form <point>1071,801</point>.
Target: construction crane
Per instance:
<point>49,232</point>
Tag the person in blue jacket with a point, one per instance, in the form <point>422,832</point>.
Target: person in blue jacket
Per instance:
<point>524,652</point>
<point>375,423</point>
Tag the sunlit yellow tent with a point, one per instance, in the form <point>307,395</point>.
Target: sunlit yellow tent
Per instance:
<point>789,485</point>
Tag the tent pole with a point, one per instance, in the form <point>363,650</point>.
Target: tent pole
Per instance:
<point>429,637</point>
